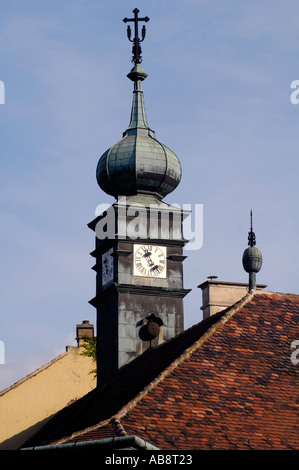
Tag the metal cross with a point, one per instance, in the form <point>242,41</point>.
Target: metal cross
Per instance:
<point>136,50</point>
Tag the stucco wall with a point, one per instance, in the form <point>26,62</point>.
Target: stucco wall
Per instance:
<point>26,406</point>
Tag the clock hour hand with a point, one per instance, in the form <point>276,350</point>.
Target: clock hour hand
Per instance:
<point>149,261</point>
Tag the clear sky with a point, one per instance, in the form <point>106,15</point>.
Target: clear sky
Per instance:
<point>218,94</point>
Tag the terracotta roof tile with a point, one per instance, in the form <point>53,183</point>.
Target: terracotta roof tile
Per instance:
<point>251,400</point>
<point>226,383</point>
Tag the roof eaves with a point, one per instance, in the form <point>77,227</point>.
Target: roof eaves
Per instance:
<point>117,443</point>
<point>115,424</point>
<point>78,434</point>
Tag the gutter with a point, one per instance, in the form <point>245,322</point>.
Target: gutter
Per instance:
<point>116,443</point>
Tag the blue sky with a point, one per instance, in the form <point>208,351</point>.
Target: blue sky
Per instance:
<point>218,94</point>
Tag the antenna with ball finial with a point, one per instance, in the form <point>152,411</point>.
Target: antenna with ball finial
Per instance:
<point>252,258</point>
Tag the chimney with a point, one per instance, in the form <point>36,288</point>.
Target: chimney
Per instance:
<point>218,295</point>
<point>84,330</point>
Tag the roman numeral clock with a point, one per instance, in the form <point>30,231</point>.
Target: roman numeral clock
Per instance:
<point>139,279</point>
<point>150,261</point>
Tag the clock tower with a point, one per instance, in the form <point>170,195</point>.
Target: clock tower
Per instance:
<point>139,239</point>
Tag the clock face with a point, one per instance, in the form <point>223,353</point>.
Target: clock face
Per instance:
<point>150,261</point>
<point>107,267</point>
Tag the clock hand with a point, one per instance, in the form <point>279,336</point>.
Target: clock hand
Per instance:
<point>148,258</point>
<point>155,267</point>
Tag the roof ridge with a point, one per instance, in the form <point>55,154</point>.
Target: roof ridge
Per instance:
<point>186,354</point>
<point>118,427</point>
<point>281,294</point>
<point>32,374</point>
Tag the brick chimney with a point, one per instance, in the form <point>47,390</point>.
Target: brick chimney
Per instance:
<point>84,330</point>
<point>218,295</point>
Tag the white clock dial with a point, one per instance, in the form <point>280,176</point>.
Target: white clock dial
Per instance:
<point>150,261</point>
<point>107,267</point>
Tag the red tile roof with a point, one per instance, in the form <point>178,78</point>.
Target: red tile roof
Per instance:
<point>226,383</point>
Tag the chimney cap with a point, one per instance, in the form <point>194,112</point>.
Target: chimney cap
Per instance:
<point>84,330</point>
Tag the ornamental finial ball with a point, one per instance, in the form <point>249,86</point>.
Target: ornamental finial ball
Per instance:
<point>252,259</point>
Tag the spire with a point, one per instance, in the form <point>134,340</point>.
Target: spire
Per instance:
<point>138,114</point>
<point>252,257</point>
<point>137,75</point>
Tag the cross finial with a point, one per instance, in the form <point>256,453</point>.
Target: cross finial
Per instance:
<point>136,50</point>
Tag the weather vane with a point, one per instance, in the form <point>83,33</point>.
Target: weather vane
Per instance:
<point>136,50</point>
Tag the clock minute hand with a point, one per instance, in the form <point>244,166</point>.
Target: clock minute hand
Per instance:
<point>147,256</point>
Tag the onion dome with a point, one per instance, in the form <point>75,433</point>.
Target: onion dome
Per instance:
<point>138,163</point>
